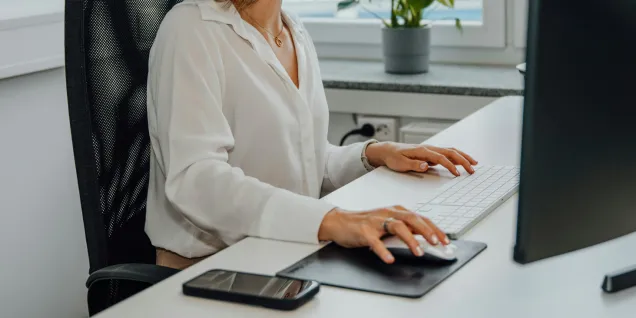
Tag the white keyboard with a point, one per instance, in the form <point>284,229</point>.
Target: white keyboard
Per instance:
<point>465,200</point>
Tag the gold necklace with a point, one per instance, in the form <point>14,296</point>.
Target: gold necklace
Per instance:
<point>277,39</point>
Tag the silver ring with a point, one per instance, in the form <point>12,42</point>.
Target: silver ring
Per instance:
<point>385,225</point>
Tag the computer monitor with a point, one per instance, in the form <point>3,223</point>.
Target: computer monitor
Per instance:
<point>578,158</point>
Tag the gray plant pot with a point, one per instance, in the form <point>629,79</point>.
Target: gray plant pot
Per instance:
<point>406,50</point>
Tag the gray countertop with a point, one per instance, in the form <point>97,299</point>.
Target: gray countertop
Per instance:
<point>467,80</point>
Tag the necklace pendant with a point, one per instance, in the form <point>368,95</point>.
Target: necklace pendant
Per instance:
<point>278,42</point>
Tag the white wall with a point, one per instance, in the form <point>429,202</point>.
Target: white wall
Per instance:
<point>44,257</point>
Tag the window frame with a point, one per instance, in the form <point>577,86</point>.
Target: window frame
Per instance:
<point>520,20</point>
<point>32,39</point>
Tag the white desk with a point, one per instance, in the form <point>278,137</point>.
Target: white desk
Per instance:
<point>492,285</point>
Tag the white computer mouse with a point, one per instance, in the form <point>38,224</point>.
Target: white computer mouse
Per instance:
<point>440,251</point>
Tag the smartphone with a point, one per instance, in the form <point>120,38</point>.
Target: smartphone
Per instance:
<point>252,289</point>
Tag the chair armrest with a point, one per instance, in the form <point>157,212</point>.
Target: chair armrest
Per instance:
<point>144,273</point>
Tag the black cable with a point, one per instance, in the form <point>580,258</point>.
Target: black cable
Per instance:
<point>349,134</point>
<point>367,130</point>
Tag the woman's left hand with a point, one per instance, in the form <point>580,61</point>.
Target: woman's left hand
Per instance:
<point>404,157</point>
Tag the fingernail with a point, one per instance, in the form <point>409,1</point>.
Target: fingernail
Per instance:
<point>424,166</point>
<point>471,169</point>
<point>446,240</point>
<point>457,172</point>
<point>435,239</point>
<point>389,258</point>
<point>419,251</point>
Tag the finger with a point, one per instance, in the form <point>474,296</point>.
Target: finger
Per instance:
<point>419,166</point>
<point>379,249</point>
<point>458,159</point>
<point>438,158</point>
<point>417,223</point>
<point>399,229</point>
<point>440,234</point>
<point>465,155</point>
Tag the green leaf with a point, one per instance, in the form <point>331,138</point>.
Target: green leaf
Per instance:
<point>458,25</point>
<point>447,3</point>
<point>347,4</point>
<point>419,5</point>
<point>413,13</point>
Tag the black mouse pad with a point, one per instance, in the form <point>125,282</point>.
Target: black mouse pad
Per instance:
<point>361,269</point>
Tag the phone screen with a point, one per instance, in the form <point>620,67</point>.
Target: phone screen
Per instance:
<point>249,284</point>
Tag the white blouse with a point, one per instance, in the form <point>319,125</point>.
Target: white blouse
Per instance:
<point>237,149</point>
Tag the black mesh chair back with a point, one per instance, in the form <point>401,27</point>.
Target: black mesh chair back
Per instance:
<point>107,48</point>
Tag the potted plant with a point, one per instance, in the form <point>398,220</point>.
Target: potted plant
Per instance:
<point>406,37</point>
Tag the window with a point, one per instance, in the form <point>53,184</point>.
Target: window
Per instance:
<point>467,10</point>
<point>357,30</point>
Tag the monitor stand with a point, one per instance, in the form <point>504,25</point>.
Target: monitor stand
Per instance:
<point>619,280</point>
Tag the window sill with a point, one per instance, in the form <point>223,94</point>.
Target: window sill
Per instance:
<point>32,40</point>
<point>447,92</point>
<point>463,80</point>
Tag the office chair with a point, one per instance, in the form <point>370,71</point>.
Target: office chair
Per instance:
<point>107,48</point>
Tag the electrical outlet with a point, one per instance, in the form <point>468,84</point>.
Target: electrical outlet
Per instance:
<point>385,127</point>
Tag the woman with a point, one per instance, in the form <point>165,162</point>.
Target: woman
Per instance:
<point>238,123</point>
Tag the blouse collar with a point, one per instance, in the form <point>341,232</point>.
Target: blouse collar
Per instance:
<point>224,12</point>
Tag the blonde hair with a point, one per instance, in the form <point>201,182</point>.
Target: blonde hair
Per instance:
<point>238,4</point>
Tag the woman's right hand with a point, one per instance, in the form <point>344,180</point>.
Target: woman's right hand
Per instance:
<point>361,229</point>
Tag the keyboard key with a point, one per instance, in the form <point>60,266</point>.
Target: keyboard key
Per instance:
<point>425,208</point>
<point>444,209</point>
<point>473,212</point>
<point>443,224</point>
<point>437,219</point>
<point>488,201</point>
<point>463,209</point>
